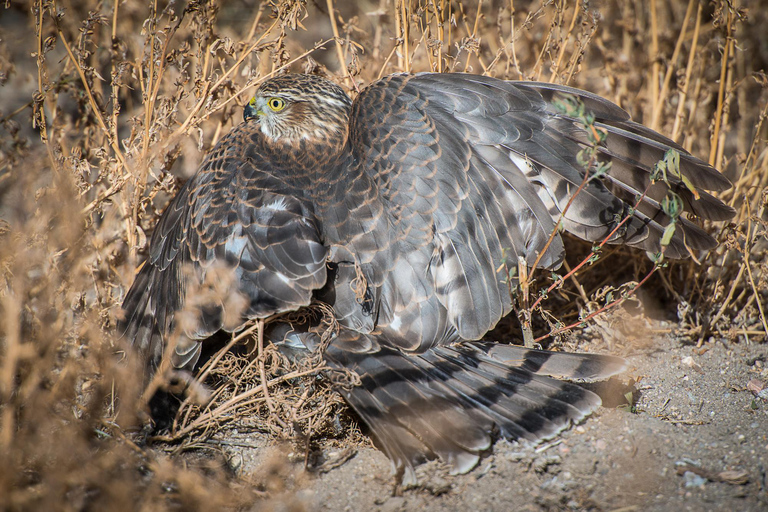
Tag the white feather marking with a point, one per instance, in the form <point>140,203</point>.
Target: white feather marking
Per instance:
<point>533,175</point>
<point>521,163</point>
<point>278,204</point>
<point>235,245</point>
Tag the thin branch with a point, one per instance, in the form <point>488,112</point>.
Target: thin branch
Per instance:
<point>658,107</point>
<point>721,91</point>
<point>337,40</point>
<point>605,308</point>
<point>563,44</point>
<point>678,126</point>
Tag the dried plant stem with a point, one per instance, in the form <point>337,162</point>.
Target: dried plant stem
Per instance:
<point>11,307</point>
<point>236,401</point>
<point>473,34</point>
<point>440,20</point>
<point>211,363</point>
<point>423,40</point>
<point>150,96</point>
<point>745,176</point>
<point>399,33</point>
<point>714,140</point>
<point>115,96</point>
<point>603,309</point>
<point>513,39</point>
<point>405,24</point>
<point>724,306</point>
<point>538,65</point>
<point>659,106</point>
<point>256,20</point>
<point>262,371</point>
<point>40,81</point>
<point>563,45</point>
<point>337,40</point>
<point>386,61</point>
<point>92,101</point>
<point>576,282</point>
<point>581,48</point>
<point>678,126</point>
<point>656,65</point>
<point>726,108</point>
<point>525,311</point>
<point>755,291</point>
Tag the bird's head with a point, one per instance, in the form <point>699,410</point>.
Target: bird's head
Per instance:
<point>295,108</point>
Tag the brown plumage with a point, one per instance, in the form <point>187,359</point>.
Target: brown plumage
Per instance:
<point>397,210</point>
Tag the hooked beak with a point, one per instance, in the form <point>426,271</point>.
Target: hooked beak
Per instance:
<point>251,110</point>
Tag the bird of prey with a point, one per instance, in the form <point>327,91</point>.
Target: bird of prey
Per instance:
<point>398,210</point>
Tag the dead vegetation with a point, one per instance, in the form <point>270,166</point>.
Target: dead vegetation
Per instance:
<point>119,102</point>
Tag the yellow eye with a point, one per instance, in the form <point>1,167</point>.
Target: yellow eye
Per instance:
<point>276,104</point>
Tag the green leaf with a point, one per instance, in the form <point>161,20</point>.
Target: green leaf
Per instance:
<point>672,205</point>
<point>672,159</point>
<point>669,231</point>
<point>689,186</point>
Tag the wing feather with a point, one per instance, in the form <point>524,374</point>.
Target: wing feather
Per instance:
<point>235,244</point>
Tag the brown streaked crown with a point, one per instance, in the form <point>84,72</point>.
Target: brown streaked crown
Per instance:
<point>295,108</point>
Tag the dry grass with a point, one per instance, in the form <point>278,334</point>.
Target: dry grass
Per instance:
<point>120,100</point>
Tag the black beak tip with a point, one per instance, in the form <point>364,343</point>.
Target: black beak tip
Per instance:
<point>249,112</point>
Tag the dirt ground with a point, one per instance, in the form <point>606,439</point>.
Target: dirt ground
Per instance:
<point>693,411</point>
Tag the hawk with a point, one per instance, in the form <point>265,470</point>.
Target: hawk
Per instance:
<point>398,210</point>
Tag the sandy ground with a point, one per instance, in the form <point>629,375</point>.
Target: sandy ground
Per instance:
<point>693,408</point>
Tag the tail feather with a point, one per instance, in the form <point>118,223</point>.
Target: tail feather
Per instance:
<point>452,401</point>
<point>149,320</point>
<point>561,365</point>
<point>142,325</point>
<point>396,392</point>
<point>510,398</point>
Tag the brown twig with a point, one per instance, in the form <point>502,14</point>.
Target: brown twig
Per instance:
<point>563,45</point>
<point>337,40</point>
<point>656,65</point>
<point>94,106</point>
<point>605,308</point>
<point>678,125</point>
<point>658,107</point>
<point>755,291</point>
<point>714,140</point>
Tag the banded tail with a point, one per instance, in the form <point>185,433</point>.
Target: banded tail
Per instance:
<point>452,401</point>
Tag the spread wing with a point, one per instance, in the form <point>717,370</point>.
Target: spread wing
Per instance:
<point>477,172</point>
<point>236,243</point>
<point>461,218</point>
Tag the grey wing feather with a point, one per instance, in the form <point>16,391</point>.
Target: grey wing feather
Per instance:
<point>550,140</point>
<point>458,213</point>
<point>225,251</point>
